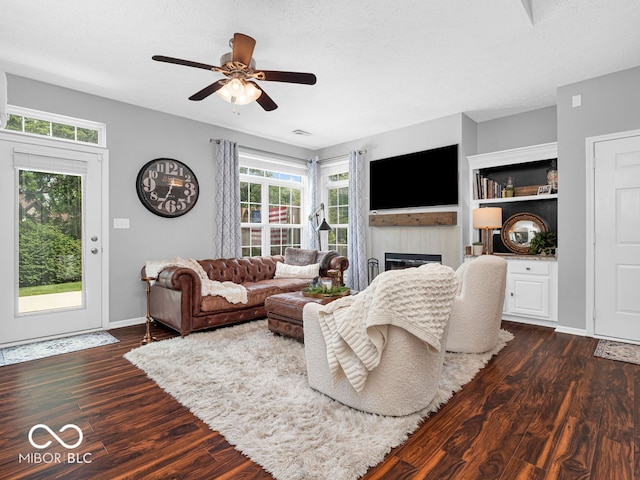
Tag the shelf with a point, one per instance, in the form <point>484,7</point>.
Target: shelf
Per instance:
<point>413,219</point>
<point>523,198</point>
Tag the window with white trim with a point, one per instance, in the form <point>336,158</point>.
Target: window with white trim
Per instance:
<point>335,195</point>
<point>59,127</point>
<point>272,193</point>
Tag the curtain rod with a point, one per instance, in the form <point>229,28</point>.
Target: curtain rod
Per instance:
<point>361,152</point>
<point>257,150</point>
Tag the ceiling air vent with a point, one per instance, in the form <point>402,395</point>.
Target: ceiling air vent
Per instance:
<point>302,133</point>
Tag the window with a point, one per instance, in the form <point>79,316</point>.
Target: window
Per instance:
<point>271,205</point>
<point>336,198</point>
<point>34,122</point>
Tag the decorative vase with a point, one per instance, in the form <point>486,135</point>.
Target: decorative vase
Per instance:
<point>509,189</point>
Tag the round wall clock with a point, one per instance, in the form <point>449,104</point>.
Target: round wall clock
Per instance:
<point>167,187</point>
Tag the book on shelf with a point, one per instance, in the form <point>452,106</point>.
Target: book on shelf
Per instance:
<point>485,187</point>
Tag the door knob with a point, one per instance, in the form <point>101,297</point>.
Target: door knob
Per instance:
<point>94,251</point>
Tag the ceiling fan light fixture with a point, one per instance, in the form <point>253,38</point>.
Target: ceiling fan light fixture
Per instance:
<point>239,92</point>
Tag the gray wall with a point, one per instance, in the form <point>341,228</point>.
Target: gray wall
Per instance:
<point>520,130</point>
<point>610,104</point>
<point>134,136</point>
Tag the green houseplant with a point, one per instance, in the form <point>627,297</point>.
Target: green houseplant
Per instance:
<point>544,243</point>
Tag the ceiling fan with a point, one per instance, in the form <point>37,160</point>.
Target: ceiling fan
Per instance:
<point>240,70</point>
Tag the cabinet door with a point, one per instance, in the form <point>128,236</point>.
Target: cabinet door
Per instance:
<point>528,295</point>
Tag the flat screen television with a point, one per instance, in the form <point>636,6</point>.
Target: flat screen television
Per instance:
<point>421,179</point>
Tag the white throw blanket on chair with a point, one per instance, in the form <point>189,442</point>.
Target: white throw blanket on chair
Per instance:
<point>232,292</point>
<point>418,300</point>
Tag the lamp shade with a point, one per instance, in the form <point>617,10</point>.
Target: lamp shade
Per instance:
<point>487,217</point>
<point>324,226</point>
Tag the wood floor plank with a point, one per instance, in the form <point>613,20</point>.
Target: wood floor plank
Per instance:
<point>543,409</point>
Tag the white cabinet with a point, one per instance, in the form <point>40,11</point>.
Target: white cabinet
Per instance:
<point>531,293</point>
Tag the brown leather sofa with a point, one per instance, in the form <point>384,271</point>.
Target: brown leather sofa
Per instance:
<point>176,300</point>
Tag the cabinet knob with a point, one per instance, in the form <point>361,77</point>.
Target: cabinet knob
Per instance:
<point>528,268</point>
<point>511,294</point>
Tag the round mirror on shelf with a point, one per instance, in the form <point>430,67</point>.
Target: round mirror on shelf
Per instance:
<point>519,229</point>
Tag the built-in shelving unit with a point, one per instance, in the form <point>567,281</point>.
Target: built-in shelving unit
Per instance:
<point>531,294</point>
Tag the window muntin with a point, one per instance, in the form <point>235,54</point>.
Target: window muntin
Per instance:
<point>60,127</point>
<point>336,193</point>
<point>279,195</point>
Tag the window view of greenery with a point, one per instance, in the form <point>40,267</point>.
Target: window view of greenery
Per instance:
<point>50,233</point>
<point>338,212</point>
<point>281,226</point>
<point>47,128</point>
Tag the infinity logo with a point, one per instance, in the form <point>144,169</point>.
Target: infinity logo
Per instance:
<point>59,440</point>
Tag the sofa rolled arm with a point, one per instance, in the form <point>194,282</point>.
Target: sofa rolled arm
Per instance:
<point>339,263</point>
<point>184,280</point>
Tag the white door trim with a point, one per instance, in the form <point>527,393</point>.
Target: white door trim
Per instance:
<point>34,143</point>
<point>590,236</point>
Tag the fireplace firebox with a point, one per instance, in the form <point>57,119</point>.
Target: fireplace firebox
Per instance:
<point>397,261</point>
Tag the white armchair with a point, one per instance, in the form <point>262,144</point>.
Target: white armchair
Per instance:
<point>476,314</point>
<point>405,380</point>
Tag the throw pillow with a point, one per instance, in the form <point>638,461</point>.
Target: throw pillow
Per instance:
<point>297,271</point>
<point>299,256</point>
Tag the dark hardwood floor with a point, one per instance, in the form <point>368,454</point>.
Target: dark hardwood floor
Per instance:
<point>544,408</point>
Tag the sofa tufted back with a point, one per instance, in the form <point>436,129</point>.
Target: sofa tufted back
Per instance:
<point>241,270</point>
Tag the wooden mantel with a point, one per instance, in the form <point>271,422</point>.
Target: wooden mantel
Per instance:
<point>413,219</point>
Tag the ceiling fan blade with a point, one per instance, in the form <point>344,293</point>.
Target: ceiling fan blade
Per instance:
<point>288,77</point>
<point>243,46</point>
<point>179,61</point>
<point>264,100</point>
<point>206,91</point>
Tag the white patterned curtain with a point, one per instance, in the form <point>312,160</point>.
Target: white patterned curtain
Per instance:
<point>357,248</point>
<point>312,178</point>
<point>227,236</point>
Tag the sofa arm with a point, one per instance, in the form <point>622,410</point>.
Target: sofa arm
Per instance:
<point>184,280</point>
<point>339,263</point>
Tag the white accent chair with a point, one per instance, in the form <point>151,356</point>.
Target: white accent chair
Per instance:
<point>404,382</point>
<point>476,315</point>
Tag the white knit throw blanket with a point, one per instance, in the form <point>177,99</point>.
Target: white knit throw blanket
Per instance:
<point>232,292</point>
<point>354,327</point>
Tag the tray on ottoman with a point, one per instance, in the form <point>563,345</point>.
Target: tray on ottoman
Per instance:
<point>284,312</point>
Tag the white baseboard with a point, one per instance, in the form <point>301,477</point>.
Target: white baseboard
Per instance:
<point>127,322</point>
<point>572,331</point>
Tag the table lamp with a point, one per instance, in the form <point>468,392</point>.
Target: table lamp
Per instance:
<point>487,218</point>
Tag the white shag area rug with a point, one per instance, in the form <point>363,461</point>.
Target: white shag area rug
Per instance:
<point>251,386</point>
<point>622,352</point>
<point>58,346</point>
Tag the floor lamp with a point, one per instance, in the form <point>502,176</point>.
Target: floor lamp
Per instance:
<point>320,227</point>
<point>487,219</point>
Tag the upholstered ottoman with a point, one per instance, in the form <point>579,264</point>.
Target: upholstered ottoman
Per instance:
<point>284,313</point>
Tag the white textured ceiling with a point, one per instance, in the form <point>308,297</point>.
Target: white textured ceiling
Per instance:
<point>381,65</point>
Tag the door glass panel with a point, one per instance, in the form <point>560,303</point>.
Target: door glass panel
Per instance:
<point>50,241</point>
